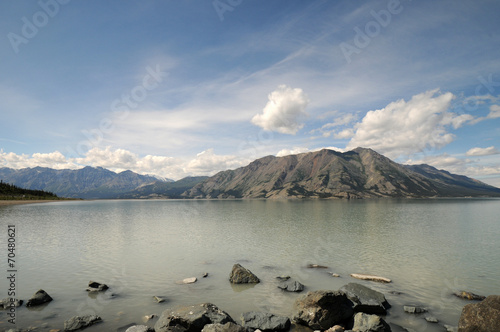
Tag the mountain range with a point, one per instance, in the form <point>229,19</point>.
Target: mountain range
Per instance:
<point>360,173</point>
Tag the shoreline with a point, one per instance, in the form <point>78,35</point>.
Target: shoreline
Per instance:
<point>19,202</point>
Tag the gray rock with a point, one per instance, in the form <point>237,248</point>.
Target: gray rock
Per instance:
<point>77,322</point>
<point>369,323</point>
<point>482,316</point>
<point>283,277</point>
<point>321,310</point>
<point>40,297</point>
<point>191,318</point>
<point>189,280</point>
<point>291,285</point>
<point>431,319</point>
<point>240,275</point>
<point>159,299</point>
<point>8,302</point>
<point>469,296</point>
<point>412,309</point>
<point>228,327</point>
<point>265,321</point>
<point>139,328</point>
<point>366,299</point>
<point>316,266</point>
<point>450,328</point>
<point>96,287</point>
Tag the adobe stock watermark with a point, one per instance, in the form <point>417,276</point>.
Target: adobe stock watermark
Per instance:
<point>372,29</point>
<point>222,6</point>
<point>120,109</point>
<point>31,27</point>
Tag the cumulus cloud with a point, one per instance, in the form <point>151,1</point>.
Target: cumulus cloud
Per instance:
<point>483,151</point>
<point>295,150</point>
<point>494,112</point>
<point>284,111</point>
<point>407,127</point>
<point>207,163</point>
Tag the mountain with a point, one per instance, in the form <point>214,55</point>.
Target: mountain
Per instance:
<point>160,189</point>
<point>88,182</point>
<point>360,173</point>
<point>12,192</point>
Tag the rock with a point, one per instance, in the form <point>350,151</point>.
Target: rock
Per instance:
<point>205,274</point>
<point>96,287</point>
<point>189,280</point>
<point>366,299</point>
<point>291,286</point>
<point>335,275</point>
<point>240,275</point>
<point>450,328</point>
<point>228,327</point>
<point>159,299</point>
<point>77,322</point>
<point>431,319</point>
<point>8,302</point>
<point>321,310</point>
<point>265,321</point>
<point>369,323</point>
<point>147,318</point>
<point>316,266</point>
<point>139,328</point>
<point>283,278</point>
<point>482,316</point>
<point>370,277</point>
<point>469,296</point>
<point>191,318</point>
<point>336,328</point>
<point>40,297</point>
<point>411,309</point>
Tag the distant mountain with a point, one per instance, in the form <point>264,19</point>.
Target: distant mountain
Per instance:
<point>360,173</point>
<point>160,189</point>
<point>88,182</point>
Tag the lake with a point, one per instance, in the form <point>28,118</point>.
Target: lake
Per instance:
<point>143,248</point>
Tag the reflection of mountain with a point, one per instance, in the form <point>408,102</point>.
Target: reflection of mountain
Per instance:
<point>360,173</point>
<point>88,182</point>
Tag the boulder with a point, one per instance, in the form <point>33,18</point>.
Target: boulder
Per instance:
<point>321,310</point>
<point>413,309</point>
<point>77,322</point>
<point>482,316</point>
<point>369,323</point>
<point>240,275</point>
<point>228,327</point>
<point>139,328</point>
<point>96,287</point>
<point>191,318</point>
<point>291,285</point>
<point>469,296</point>
<point>40,297</point>
<point>8,302</point>
<point>265,321</point>
<point>366,299</point>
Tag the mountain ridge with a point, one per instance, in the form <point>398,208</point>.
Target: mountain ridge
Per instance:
<point>359,173</point>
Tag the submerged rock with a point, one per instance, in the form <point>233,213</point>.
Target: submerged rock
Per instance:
<point>366,299</point>
<point>291,285</point>
<point>96,287</point>
<point>321,310</point>
<point>189,280</point>
<point>159,299</point>
<point>469,296</point>
<point>370,277</point>
<point>411,309</point>
<point>265,321</point>
<point>316,266</point>
<point>228,327</point>
<point>77,322</point>
<point>10,302</point>
<point>240,275</point>
<point>482,316</point>
<point>40,297</point>
<point>139,328</point>
<point>191,318</point>
<point>369,323</point>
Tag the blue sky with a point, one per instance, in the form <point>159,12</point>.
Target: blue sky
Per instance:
<point>179,88</point>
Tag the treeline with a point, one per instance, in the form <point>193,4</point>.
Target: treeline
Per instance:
<point>10,191</point>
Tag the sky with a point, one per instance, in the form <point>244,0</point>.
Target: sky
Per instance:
<point>180,88</point>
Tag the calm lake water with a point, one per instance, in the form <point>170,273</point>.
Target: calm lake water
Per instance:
<point>142,248</point>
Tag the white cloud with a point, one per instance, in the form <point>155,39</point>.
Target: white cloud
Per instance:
<point>207,163</point>
<point>494,112</point>
<point>483,151</point>
<point>284,111</point>
<point>295,150</point>
<point>405,128</point>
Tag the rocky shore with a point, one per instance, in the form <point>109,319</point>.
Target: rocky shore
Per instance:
<point>354,307</point>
